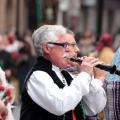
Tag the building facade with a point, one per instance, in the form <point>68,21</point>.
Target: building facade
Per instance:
<point>17,14</point>
<point>29,14</point>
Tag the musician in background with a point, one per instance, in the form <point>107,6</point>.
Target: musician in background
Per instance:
<point>112,88</point>
<point>73,68</point>
<point>49,92</point>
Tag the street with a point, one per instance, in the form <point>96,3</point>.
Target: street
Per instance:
<point>16,112</point>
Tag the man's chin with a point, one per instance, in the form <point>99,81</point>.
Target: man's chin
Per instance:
<point>67,61</point>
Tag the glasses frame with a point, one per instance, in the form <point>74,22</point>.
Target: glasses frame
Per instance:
<point>64,45</point>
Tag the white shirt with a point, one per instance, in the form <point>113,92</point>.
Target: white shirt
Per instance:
<point>44,92</point>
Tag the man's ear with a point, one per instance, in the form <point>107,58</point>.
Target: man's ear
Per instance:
<point>46,48</point>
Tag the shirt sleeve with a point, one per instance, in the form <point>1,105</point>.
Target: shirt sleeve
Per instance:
<point>95,101</point>
<point>44,92</point>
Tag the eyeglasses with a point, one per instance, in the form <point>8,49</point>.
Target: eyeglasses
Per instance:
<point>64,45</point>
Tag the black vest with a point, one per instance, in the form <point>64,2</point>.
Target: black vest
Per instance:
<point>30,110</point>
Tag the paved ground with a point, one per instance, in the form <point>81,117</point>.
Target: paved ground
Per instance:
<point>16,112</point>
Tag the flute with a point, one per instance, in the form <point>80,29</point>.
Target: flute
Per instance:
<point>111,69</point>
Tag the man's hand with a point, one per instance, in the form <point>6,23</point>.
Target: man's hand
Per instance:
<point>99,74</point>
<point>88,64</point>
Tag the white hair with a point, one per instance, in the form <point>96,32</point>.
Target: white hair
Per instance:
<point>48,33</point>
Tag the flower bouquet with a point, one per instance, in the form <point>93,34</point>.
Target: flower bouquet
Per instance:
<point>5,94</point>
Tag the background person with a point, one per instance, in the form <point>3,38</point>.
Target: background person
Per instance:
<point>112,88</point>
<point>104,48</point>
<point>3,111</point>
<point>6,106</point>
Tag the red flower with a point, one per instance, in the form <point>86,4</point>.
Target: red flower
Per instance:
<point>5,94</point>
<point>2,88</point>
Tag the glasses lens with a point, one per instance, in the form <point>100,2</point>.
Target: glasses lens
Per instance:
<point>66,44</point>
<point>58,44</point>
<point>70,44</point>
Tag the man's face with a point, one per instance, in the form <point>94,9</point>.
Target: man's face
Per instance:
<point>59,55</point>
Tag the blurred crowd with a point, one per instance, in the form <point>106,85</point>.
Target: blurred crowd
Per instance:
<point>17,54</point>
<point>104,48</point>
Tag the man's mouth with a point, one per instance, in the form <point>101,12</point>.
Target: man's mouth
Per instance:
<point>67,56</point>
<point>75,57</point>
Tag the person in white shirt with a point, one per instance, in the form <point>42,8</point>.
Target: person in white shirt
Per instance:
<point>6,108</point>
<point>49,93</point>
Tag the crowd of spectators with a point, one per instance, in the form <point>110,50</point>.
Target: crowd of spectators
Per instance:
<point>16,57</point>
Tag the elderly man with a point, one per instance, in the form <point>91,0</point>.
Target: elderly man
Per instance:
<point>48,93</point>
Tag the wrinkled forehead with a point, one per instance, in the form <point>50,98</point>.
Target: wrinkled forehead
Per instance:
<point>66,38</point>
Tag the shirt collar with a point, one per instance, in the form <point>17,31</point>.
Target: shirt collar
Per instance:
<point>55,68</point>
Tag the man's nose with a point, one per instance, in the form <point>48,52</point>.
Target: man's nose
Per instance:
<point>77,50</point>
